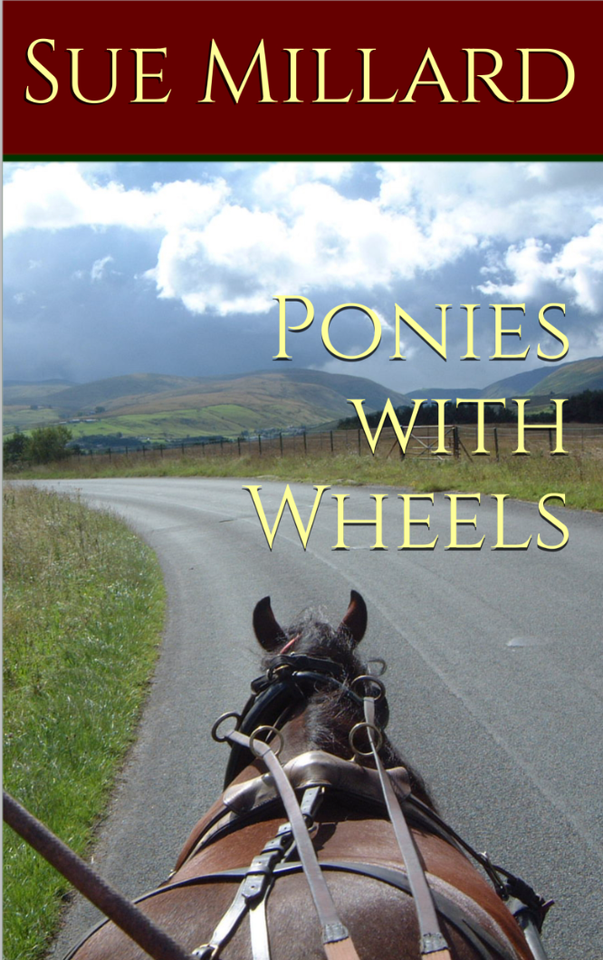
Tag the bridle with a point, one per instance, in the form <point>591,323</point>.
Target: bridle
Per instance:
<point>290,679</point>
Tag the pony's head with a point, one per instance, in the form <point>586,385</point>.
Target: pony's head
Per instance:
<point>322,663</point>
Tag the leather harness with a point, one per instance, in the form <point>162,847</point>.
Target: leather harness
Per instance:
<point>289,679</point>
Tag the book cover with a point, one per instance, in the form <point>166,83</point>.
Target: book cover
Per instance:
<point>294,277</point>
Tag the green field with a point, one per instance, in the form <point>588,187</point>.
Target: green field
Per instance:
<point>83,614</point>
<point>25,419</point>
<point>221,419</point>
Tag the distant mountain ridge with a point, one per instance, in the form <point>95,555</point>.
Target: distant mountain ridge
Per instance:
<point>139,389</point>
<point>570,378</point>
<point>439,393</point>
<point>170,407</point>
<point>41,383</point>
<point>166,407</point>
<point>563,379</point>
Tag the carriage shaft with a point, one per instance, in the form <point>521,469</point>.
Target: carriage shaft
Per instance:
<point>157,944</point>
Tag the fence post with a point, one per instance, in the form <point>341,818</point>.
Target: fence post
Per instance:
<point>496,442</point>
<point>550,439</point>
<point>144,451</point>
<point>305,443</point>
<point>239,445</point>
<point>110,457</point>
<point>455,442</point>
<point>332,450</point>
<point>260,443</point>
<point>280,440</point>
<point>182,448</point>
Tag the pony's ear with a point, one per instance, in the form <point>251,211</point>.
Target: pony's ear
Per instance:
<point>356,618</point>
<point>266,628</point>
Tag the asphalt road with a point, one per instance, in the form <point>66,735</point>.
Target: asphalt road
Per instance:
<point>494,673</point>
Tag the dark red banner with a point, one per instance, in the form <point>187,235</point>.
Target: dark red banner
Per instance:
<point>301,78</point>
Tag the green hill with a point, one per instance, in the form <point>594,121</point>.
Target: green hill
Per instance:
<point>170,408</point>
<point>163,407</point>
<point>25,393</point>
<point>572,378</point>
<point>562,380</point>
<point>85,397</point>
<point>518,385</point>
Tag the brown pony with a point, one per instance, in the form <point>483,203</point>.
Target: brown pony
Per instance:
<point>309,694</point>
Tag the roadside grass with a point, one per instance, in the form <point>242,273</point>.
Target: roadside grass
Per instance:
<point>578,475</point>
<point>83,613</point>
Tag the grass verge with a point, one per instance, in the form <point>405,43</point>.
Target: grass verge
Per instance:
<point>579,476</point>
<point>83,613</point>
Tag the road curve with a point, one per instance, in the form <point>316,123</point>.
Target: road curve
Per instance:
<point>494,672</point>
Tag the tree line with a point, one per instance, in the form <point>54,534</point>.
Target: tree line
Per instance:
<point>585,407</point>
<point>43,445</point>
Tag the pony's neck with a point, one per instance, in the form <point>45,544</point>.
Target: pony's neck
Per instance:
<point>295,738</point>
<point>326,726</point>
<point>318,726</point>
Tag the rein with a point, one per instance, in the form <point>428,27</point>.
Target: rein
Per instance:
<point>338,944</point>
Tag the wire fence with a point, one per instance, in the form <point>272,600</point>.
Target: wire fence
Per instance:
<point>428,442</point>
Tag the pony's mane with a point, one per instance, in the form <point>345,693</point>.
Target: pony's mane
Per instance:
<point>330,714</point>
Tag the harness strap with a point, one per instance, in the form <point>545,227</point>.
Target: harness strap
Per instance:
<point>433,942</point>
<point>483,942</point>
<point>487,947</point>
<point>336,939</point>
<point>252,892</point>
<point>509,887</point>
<point>258,928</point>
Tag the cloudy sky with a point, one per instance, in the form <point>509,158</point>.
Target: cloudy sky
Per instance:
<point>116,268</point>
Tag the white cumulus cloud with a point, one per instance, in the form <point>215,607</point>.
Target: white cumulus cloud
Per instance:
<point>98,268</point>
<point>228,246</point>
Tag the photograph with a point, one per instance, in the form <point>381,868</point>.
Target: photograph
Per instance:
<point>303,484</point>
